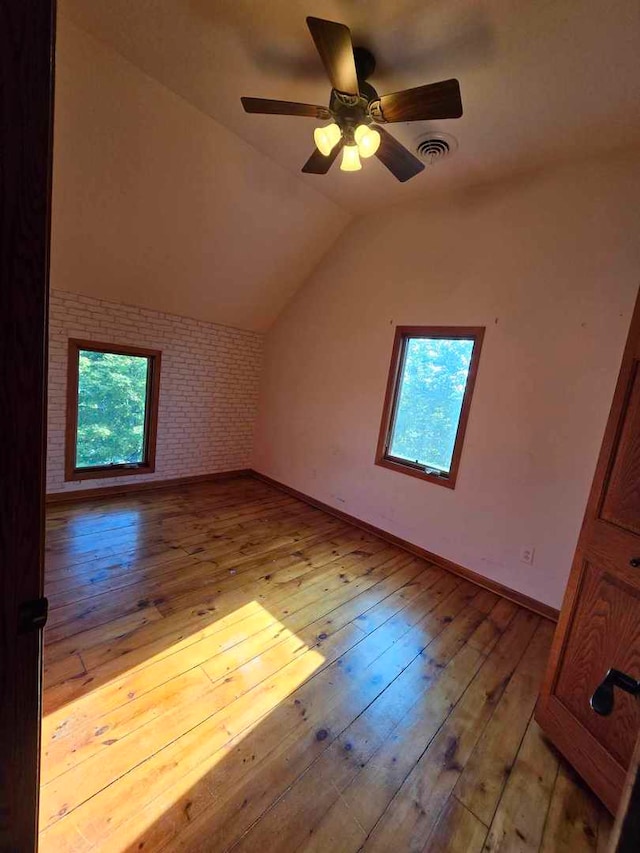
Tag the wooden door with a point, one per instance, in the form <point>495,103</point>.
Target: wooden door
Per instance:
<point>599,626</point>
<point>26,39</point>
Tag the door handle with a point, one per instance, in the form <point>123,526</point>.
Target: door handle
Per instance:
<point>602,700</point>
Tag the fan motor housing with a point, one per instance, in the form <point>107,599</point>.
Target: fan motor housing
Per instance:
<point>365,63</point>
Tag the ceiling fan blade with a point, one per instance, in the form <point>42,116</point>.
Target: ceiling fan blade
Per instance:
<point>433,101</point>
<point>333,42</point>
<point>266,106</point>
<point>318,164</point>
<point>398,159</point>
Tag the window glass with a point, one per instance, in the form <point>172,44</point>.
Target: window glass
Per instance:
<point>429,399</point>
<point>112,401</point>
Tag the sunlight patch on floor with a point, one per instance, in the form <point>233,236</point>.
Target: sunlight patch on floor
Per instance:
<point>115,689</point>
<point>105,722</point>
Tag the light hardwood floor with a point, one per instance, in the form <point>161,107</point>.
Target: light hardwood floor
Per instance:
<point>229,668</point>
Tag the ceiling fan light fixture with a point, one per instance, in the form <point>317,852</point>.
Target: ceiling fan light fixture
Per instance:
<point>326,138</point>
<point>354,105</point>
<point>367,140</point>
<point>350,159</point>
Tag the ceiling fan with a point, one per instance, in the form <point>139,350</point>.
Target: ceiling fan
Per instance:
<point>356,111</point>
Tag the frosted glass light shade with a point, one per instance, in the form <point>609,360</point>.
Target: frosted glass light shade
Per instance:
<point>361,132</point>
<point>367,139</point>
<point>326,138</point>
<point>350,159</point>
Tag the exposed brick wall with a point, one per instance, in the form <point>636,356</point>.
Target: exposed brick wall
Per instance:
<point>208,386</point>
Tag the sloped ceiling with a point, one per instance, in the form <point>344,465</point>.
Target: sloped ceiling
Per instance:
<point>167,194</point>
<point>540,80</point>
<point>158,205</point>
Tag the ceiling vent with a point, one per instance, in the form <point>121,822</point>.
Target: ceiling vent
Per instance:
<point>436,146</point>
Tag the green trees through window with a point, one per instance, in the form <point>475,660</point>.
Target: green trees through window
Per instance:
<point>112,400</point>
<point>426,407</point>
<point>429,400</point>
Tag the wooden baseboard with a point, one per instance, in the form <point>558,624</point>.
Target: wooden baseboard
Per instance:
<point>128,488</point>
<point>513,595</point>
<point>147,486</point>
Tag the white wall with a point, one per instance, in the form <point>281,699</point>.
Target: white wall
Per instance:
<point>550,264</point>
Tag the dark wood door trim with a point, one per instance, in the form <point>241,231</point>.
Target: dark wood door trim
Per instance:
<point>625,837</point>
<point>27,31</point>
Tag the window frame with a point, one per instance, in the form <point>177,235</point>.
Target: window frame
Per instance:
<point>402,335</point>
<point>148,465</point>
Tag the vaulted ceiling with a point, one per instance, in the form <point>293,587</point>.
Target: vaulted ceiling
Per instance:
<point>542,82</point>
<point>539,80</point>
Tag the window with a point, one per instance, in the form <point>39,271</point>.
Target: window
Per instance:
<point>112,410</point>
<point>433,370</point>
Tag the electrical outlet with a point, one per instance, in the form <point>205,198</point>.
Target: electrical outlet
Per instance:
<point>526,554</point>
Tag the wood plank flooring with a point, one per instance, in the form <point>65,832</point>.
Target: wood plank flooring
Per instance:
<point>227,668</point>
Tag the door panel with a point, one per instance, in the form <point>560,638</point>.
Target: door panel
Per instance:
<point>606,635</point>
<point>599,625</point>
<point>622,492</point>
